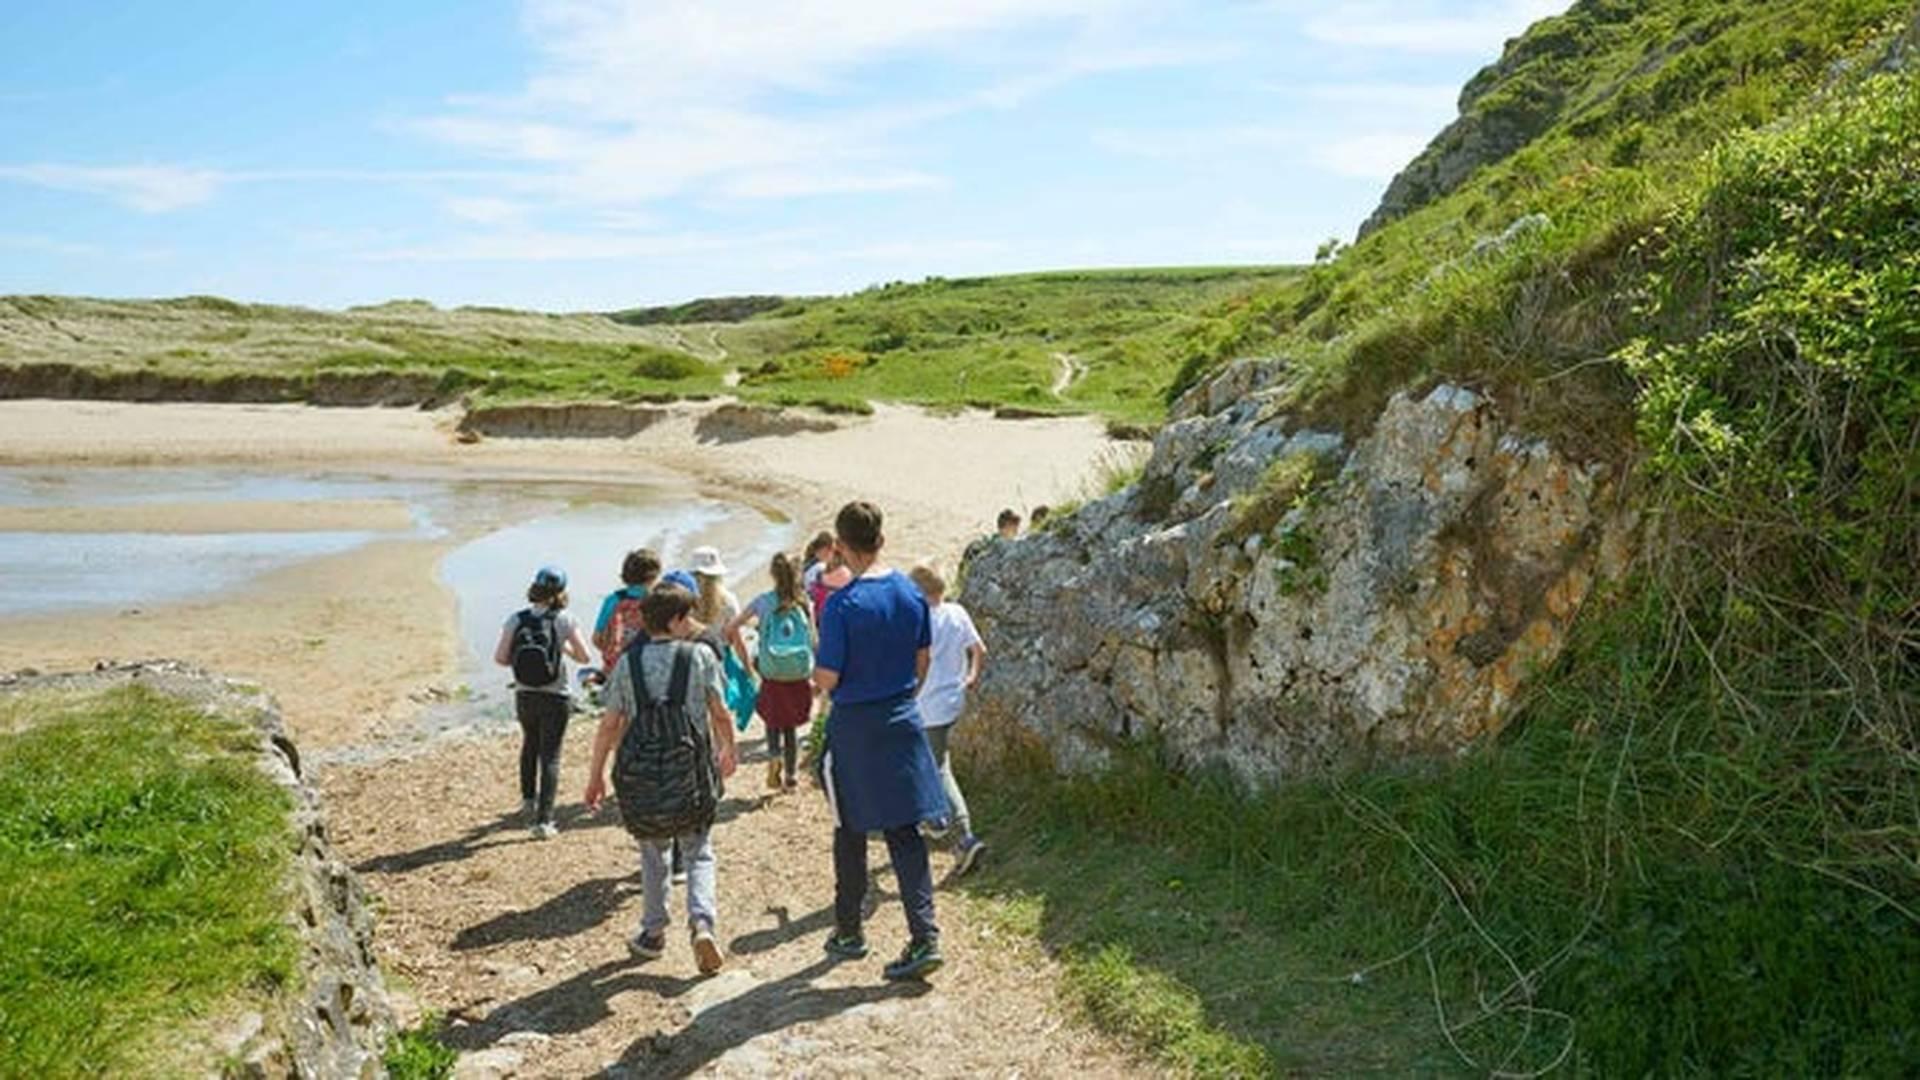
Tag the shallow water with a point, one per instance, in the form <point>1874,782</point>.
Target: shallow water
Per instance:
<point>511,527</point>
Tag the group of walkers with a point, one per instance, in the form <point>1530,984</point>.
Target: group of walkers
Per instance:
<point>881,657</point>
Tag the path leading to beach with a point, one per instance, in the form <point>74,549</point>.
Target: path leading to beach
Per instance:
<point>522,944</point>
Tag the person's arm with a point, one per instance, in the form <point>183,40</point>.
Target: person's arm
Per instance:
<point>739,640</point>
<point>503,652</point>
<point>722,724</point>
<point>603,623</point>
<point>831,656</point>
<point>976,662</point>
<point>577,646</point>
<point>613,725</point>
<point>922,660</point>
<point>825,678</point>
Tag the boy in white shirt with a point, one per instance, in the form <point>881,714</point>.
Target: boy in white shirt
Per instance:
<point>958,655</point>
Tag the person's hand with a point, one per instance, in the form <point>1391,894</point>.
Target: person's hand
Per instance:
<point>973,680</point>
<point>726,760</point>
<point>596,793</point>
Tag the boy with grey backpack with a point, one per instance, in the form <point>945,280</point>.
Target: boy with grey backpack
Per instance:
<point>667,729</point>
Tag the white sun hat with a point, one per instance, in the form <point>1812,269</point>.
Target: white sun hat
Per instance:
<point>706,560</point>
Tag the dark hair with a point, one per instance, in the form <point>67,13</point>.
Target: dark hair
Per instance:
<point>1007,517</point>
<point>640,567</point>
<point>662,607</point>
<point>554,597</point>
<point>821,539</point>
<point>786,581</point>
<point>1039,515</point>
<point>857,526</point>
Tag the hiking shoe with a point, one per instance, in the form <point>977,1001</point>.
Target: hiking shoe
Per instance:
<point>546,830</point>
<point>971,847</point>
<point>648,944</point>
<point>847,946</point>
<point>706,950</point>
<point>773,775</point>
<point>917,961</point>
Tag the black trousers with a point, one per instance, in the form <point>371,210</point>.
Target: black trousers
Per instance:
<point>543,724</point>
<point>786,743</point>
<point>911,872</point>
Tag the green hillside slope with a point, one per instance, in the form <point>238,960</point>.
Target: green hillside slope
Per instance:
<point>1696,848</point>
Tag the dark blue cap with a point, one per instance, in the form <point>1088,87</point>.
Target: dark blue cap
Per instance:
<point>550,577</point>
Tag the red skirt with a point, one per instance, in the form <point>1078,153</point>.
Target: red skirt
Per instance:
<point>785,705</point>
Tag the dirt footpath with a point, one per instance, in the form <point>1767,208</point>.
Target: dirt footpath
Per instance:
<point>522,943</point>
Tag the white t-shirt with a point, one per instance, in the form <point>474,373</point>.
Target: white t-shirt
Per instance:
<point>944,695</point>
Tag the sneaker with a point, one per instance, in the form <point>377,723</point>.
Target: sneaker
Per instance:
<point>773,775</point>
<point>847,946</point>
<point>971,848</point>
<point>935,830</point>
<point>678,877</point>
<point>546,830</point>
<point>706,951</point>
<point>917,961</point>
<point>648,945</point>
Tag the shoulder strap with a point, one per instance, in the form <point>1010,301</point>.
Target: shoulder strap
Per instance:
<point>637,671</point>
<point>682,670</point>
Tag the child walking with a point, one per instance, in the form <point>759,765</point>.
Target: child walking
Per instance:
<point>783,662</point>
<point>619,620</point>
<point>957,657</point>
<point>532,643</point>
<point>666,715</point>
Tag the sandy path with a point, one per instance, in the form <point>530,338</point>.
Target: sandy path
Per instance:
<point>522,943</point>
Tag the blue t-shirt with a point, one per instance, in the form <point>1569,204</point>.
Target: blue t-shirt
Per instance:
<point>870,631</point>
<point>624,592</point>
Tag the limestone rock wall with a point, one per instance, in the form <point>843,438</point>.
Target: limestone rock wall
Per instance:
<point>1275,599</point>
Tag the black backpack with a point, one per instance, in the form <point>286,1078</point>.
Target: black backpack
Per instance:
<point>536,649</point>
<point>664,776</point>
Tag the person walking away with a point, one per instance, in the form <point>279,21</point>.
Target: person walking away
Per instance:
<point>819,550</point>
<point>714,603</point>
<point>880,775</point>
<point>782,660</point>
<point>532,643</point>
<point>957,656</point>
<point>667,721</point>
<point>619,620</point>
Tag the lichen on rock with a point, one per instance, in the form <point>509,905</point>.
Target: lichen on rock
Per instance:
<point>1274,599</point>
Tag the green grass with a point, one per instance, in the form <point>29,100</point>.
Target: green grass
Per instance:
<point>418,1053</point>
<point>142,858</point>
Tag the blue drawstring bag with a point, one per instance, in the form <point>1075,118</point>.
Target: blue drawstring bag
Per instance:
<point>742,692</point>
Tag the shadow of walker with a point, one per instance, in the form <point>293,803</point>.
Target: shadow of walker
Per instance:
<point>576,910</point>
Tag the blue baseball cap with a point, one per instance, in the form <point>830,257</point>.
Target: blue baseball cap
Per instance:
<point>550,577</point>
<point>682,579</point>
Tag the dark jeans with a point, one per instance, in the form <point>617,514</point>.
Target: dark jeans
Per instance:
<point>543,723</point>
<point>911,872</point>
<point>786,743</point>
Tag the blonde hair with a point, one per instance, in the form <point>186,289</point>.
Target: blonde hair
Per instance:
<point>929,580</point>
<point>706,607</point>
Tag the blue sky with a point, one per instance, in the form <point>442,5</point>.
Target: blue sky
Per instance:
<point>589,154</point>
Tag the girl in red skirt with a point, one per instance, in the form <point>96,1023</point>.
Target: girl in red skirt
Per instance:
<point>783,662</point>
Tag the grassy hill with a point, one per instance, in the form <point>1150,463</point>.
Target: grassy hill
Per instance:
<point>1105,342</point>
<point>1680,236</point>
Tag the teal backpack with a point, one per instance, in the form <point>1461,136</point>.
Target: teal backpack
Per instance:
<point>786,645</point>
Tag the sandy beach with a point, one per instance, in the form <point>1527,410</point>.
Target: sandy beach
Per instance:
<point>303,631</point>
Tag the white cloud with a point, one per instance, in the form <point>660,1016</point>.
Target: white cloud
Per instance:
<point>485,209</point>
<point>632,101</point>
<point>154,189</point>
<point>1428,26</point>
<point>539,245</point>
<point>1370,157</point>
<point>47,245</point>
<point>1181,143</point>
<point>1422,99</point>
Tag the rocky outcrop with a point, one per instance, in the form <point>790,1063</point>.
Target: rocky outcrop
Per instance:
<point>335,1020</point>
<point>1276,599</point>
<point>589,420</point>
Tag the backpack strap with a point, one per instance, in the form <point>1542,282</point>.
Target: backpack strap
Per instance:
<point>682,672</point>
<point>637,671</point>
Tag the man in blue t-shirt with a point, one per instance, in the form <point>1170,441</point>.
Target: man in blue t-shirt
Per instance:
<point>880,774</point>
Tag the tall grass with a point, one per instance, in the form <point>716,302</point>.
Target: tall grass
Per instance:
<point>142,857</point>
